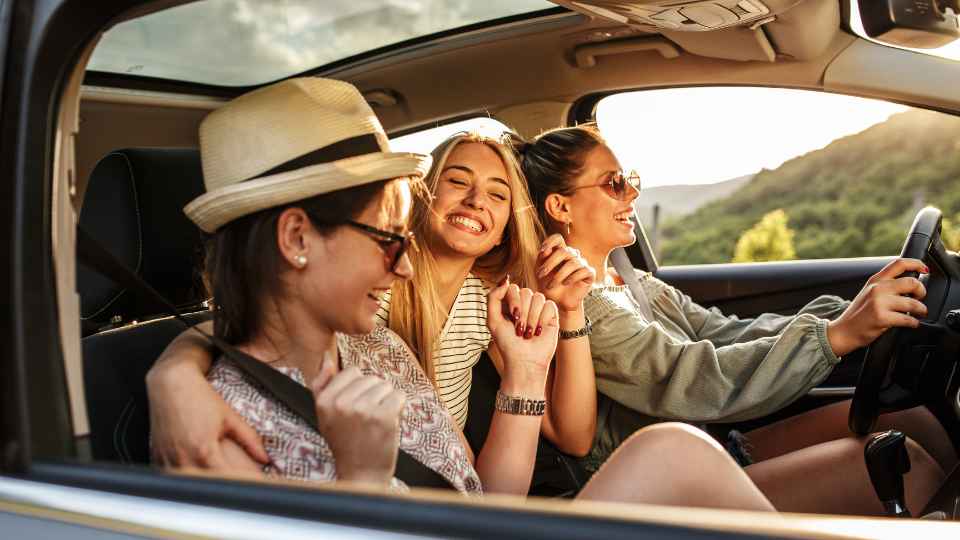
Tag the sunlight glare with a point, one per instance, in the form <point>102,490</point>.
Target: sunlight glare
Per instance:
<point>706,135</point>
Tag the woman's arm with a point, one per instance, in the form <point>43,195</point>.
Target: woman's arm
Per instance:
<point>665,375</point>
<point>660,374</point>
<point>723,330</point>
<point>189,432</point>
<point>571,419</point>
<point>505,463</point>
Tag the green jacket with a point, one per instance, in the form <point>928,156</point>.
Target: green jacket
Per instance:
<point>698,365</point>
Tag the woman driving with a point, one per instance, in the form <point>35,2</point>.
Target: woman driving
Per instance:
<point>662,356</point>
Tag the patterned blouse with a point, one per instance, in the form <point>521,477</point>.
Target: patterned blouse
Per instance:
<point>463,339</point>
<point>298,452</point>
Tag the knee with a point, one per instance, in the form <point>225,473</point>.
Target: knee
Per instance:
<point>672,439</point>
<point>921,462</point>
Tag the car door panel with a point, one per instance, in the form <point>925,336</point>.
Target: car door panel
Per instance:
<point>749,289</point>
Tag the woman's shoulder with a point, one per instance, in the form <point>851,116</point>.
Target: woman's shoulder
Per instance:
<point>476,285</point>
<point>384,352</point>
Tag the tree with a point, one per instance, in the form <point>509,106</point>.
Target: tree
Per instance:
<point>769,240</point>
<point>950,234</point>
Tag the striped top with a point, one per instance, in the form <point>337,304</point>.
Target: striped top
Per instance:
<point>463,339</point>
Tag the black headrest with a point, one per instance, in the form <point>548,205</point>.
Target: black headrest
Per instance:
<point>134,207</point>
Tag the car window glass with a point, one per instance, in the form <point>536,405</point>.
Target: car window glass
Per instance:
<point>737,174</point>
<point>425,140</point>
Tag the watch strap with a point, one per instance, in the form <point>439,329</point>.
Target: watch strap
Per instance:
<point>520,405</point>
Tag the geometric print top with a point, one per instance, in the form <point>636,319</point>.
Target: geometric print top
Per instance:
<point>463,339</point>
<point>299,452</point>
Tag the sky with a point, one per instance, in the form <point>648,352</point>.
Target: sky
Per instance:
<point>706,135</point>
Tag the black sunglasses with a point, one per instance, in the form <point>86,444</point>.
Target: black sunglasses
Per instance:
<point>616,185</point>
<point>393,245</point>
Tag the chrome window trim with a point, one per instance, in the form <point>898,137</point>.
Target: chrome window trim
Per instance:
<point>139,515</point>
<point>832,392</point>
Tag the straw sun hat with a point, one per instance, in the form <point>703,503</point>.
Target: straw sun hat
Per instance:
<point>288,142</point>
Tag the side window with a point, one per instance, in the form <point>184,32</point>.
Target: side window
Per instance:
<point>737,174</point>
<point>424,141</point>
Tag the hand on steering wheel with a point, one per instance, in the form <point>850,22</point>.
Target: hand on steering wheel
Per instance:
<point>893,369</point>
<point>891,298</point>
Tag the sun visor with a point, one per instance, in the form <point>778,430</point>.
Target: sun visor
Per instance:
<point>736,43</point>
<point>682,15</point>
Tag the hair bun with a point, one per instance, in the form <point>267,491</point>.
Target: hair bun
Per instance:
<point>516,142</point>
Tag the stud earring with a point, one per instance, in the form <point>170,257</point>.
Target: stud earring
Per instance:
<point>300,260</point>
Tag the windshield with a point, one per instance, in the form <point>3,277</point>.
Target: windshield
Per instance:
<point>249,42</point>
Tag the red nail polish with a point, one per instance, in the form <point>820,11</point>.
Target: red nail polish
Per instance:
<point>516,314</point>
<point>528,334</point>
<point>539,330</point>
<point>519,330</point>
<point>926,270</point>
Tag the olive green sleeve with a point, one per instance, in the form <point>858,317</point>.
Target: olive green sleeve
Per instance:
<point>724,330</point>
<point>647,369</point>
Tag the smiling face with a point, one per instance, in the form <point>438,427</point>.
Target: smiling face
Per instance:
<point>354,267</point>
<point>599,221</point>
<point>472,203</point>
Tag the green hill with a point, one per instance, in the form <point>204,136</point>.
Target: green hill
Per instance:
<point>855,197</point>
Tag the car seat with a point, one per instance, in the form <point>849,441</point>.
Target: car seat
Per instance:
<point>133,207</point>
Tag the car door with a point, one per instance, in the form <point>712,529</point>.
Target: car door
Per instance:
<point>48,485</point>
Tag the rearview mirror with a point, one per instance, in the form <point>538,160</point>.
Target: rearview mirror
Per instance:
<point>918,24</point>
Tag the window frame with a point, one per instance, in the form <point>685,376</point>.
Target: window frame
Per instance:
<point>641,253</point>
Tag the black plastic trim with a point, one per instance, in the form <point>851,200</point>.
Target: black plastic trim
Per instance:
<point>13,420</point>
<point>450,520</point>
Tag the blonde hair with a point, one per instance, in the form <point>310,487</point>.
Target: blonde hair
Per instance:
<point>416,312</point>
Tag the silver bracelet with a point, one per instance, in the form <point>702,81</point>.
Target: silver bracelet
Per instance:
<point>520,405</point>
<point>580,332</point>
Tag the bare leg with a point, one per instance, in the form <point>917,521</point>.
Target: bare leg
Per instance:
<point>674,464</point>
<point>832,478</point>
<point>830,422</point>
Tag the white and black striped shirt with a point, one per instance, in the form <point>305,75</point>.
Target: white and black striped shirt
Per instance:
<point>463,338</point>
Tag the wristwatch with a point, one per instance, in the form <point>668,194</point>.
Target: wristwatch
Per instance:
<point>581,332</point>
<point>520,405</point>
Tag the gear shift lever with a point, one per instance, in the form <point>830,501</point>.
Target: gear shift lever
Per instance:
<point>887,462</point>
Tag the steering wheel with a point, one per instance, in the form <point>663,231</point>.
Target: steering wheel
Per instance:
<point>883,387</point>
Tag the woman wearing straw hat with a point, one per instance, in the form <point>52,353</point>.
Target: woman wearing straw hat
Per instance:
<point>307,228</point>
<point>477,226</point>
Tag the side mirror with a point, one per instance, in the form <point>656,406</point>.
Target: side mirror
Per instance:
<point>918,24</point>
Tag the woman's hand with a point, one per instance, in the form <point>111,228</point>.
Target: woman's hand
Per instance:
<point>189,432</point>
<point>885,301</point>
<point>524,326</point>
<point>359,416</point>
<point>564,275</point>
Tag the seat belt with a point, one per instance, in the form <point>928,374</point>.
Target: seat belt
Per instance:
<point>623,266</point>
<point>287,391</point>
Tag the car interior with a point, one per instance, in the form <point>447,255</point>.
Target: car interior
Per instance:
<point>126,161</point>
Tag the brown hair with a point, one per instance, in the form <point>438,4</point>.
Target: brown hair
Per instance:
<point>243,262</point>
<point>553,160</point>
